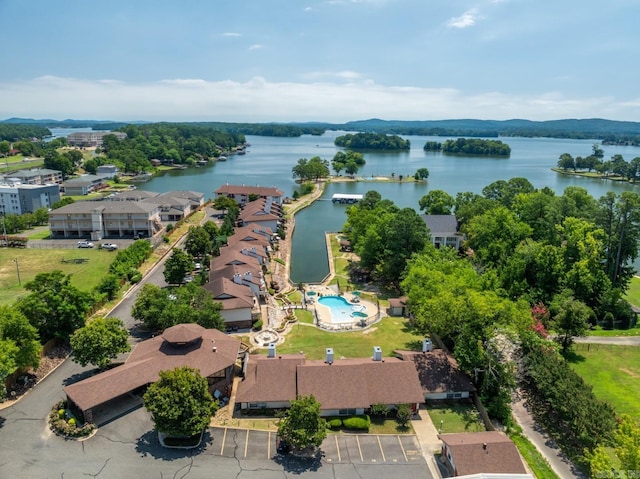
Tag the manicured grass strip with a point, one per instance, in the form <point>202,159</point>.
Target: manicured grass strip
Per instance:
<point>534,459</point>
<point>85,276</point>
<point>454,417</point>
<point>613,372</point>
<point>633,293</point>
<point>41,234</point>
<point>304,316</point>
<point>389,334</point>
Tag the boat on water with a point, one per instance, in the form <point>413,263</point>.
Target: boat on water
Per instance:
<point>222,158</point>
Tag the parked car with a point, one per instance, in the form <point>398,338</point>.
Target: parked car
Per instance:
<point>197,266</point>
<point>85,244</point>
<point>109,246</point>
<point>187,279</point>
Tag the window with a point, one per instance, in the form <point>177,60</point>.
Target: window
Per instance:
<point>257,405</point>
<point>347,412</point>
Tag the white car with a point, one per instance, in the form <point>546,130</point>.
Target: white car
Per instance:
<point>85,244</point>
<point>109,246</point>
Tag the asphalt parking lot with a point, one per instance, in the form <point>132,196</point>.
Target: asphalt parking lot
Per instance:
<point>336,448</point>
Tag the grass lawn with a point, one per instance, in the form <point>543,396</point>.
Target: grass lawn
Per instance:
<point>614,373</point>
<point>389,334</point>
<point>85,276</point>
<point>39,234</point>
<point>304,316</point>
<point>452,417</point>
<point>633,293</point>
<point>536,461</point>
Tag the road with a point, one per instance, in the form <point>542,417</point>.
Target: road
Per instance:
<point>617,340</point>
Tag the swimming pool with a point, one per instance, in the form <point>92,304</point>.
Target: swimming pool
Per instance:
<point>342,311</point>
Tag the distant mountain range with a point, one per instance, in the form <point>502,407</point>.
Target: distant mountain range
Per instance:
<point>596,128</point>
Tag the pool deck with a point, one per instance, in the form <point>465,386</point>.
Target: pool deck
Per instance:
<point>324,312</point>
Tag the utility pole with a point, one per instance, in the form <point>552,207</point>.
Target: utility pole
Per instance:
<point>18,270</point>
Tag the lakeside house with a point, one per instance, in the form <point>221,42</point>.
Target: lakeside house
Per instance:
<point>444,230</point>
<point>92,138</point>
<point>244,194</point>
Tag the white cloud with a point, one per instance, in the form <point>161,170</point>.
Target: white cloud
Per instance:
<point>467,19</point>
<point>259,100</point>
<point>231,34</point>
<point>255,46</point>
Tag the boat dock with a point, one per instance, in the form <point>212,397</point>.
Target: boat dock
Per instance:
<point>344,198</point>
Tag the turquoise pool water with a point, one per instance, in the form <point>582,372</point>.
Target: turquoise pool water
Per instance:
<point>341,310</point>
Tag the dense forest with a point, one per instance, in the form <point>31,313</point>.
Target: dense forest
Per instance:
<point>533,262</point>
<point>372,141</point>
<point>609,131</point>
<point>181,143</point>
<point>474,146</point>
<point>15,132</point>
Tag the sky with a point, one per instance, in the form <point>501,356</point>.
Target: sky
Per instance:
<point>319,60</point>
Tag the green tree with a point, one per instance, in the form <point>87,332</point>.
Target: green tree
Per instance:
<point>67,200</point>
<point>421,174</point>
<point>437,202</point>
<point>177,266</point>
<point>109,286</point>
<point>627,439</point>
<point>198,242</point>
<point>15,328</point>
<point>301,425</point>
<point>5,148</point>
<point>8,364</point>
<point>54,306</point>
<point>180,403</point>
<point>600,464</point>
<point>100,341</point>
<point>495,234</point>
<point>566,162</point>
<point>310,170</point>
<point>570,318</point>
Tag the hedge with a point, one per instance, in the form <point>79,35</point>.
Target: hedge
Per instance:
<point>357,422</point>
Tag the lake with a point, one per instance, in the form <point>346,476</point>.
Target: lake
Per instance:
<point>269,162</point>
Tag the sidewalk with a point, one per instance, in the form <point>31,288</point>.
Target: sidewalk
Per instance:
<point>427,436</point>
<point>552,453</point>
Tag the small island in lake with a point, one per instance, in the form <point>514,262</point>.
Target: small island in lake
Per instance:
<point>372,141</point>
<point>470,146</point>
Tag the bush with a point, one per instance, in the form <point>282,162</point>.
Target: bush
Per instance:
<point>72,422</point>
<point>403,415</point>
<point>258,325</point>
<point>360,423</point>
<point>61,413</point>
<point>135,278</point>
<point>380,410</point>
<point>335,423</point>
<point>67,428</point>
<point>169,228</point>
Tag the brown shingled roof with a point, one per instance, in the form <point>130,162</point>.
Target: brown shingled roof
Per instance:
<point>149,358</point>
<point>470,455</point>
<point>270,379</point>
<point>183,333</point>
<point>438,372</point>
<point>249,190</point>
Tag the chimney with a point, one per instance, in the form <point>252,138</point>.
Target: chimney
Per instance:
<point>377,353</point>
<point>329,358</point>
<point>247,275</point>
<point>484,446</point>
<point>237,279</point>
<point>271,351</point>
<point>427,345</point>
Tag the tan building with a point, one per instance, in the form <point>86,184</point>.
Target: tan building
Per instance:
<point>243,194</point>
<point>91,138</point>
<point>96,220</point>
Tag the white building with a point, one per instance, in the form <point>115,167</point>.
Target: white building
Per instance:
<point>17,198</point>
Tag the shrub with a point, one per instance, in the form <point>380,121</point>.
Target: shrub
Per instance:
<point>361,423</point>
<point>169,228</point>
<point>403,415</point>
<point>335,423</point>
<point>136,278</point>
<point>72,422</point>
<point>258,325</point>
<point>379,410</point>
<point>61,413</point>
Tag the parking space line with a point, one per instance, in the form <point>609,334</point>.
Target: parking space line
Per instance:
<point>337,448</point>
<point>246,443</point>
<point>224,437</point>
<point>269,446</point>
<point>359,450</point>
<point>384,459</point>
<point>402,449</point>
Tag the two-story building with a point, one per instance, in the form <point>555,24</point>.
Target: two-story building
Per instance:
<point>244,194</point>
<point>18,199</point>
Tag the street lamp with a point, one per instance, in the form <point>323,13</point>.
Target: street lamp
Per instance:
<point>18,270</point>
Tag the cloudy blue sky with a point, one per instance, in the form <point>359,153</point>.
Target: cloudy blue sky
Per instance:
<point>319,60</point>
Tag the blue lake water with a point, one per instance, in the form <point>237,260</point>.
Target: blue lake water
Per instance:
<point>269,162</point>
